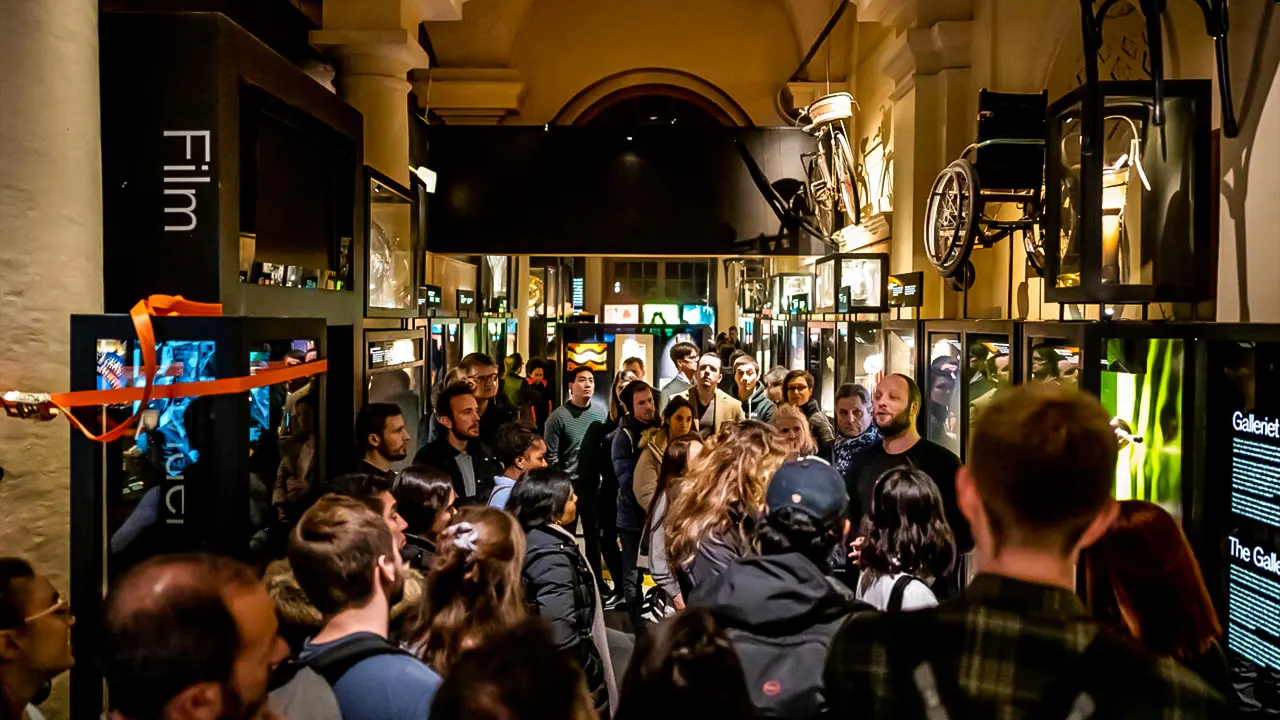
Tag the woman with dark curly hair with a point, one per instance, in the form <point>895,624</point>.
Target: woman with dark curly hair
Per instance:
<point>908,543</point>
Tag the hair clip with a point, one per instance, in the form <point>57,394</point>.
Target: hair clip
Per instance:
<point>463,536</point>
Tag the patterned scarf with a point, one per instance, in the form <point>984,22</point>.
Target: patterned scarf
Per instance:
<point>847,448</point>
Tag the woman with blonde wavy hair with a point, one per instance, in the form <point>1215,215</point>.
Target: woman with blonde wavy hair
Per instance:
<point>474,588</point>
<point>794,427</point>
<point>718,495</point>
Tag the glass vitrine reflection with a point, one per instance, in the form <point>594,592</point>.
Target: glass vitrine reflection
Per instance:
<point>393,225</point>
<point>942,398</point>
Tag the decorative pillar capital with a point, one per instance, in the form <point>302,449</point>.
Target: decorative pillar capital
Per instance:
<point>469,96</point>
<point>391,52</point>
<point>928,51</point>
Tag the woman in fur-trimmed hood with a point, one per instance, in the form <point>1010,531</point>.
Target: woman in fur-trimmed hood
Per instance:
<point>299,618</point>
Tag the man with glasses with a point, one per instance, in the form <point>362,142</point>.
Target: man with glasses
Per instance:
<point>495,409</point>
<point>35,638</point>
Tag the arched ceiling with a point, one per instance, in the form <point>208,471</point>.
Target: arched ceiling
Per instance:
<point>487,34</point>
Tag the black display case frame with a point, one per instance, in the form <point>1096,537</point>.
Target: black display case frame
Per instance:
<point>225,516</point>
<point>836,262</point>
<point>963,330</point>
<point>1091,104</point>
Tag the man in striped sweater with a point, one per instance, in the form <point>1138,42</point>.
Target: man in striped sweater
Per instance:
<point>568,425</point>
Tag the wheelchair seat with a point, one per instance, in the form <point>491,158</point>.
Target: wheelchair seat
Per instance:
<point>1011,116</point>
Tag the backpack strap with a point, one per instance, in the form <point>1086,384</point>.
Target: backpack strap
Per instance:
<point>921,693</point>
<point>332,663</point>
<point>899,590</point>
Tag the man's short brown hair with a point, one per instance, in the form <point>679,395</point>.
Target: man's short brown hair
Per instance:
<point>333,550</point>
<point>1044,461</point>
<point>745,359</point>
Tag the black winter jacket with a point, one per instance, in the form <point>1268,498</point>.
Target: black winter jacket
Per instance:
<point>560,589</point>
<point>625,454</point>
<point>781,612</point>
<point>715,553</point>
<point>441,455</point>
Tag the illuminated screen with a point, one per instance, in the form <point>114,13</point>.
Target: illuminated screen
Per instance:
<point>622,314</point>
<point>592,355</point>
<point>1142,386</point>
<point>661,314</point>
<point>699,315</point>
<point>1243,428</point>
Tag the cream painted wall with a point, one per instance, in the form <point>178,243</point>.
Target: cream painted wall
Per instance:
<point>745,47</point>
<point>452,275</point>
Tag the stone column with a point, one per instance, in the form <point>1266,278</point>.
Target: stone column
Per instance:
<point>51,255</point>
<point>522,305</point>
<point>373,68</point>
<point>933,111</point>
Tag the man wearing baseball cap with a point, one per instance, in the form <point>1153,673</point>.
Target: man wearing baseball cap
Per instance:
<point>782,607</point>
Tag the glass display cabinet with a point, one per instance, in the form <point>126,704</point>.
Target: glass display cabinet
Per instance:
<point>969,361</point>
<point>1127,211</point>
<point>851,283</point>
<point>395,369</point>
<point>753,296</point>
<point>791,294</point>
<point>901,347</point>
<point>822,363</point>
<point>860,354</point>
<point>1053,352</point>
<point>394,246</point>
<point>218,473</point>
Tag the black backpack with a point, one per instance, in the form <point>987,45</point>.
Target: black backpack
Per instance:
<point>784,668</point>
<point>1099,684</point>
<point>334,662</point>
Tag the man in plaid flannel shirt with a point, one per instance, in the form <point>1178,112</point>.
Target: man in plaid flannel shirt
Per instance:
<point>1018,643</point>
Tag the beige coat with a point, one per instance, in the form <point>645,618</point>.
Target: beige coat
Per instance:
<point>728,409</point>
<point>644,483</point>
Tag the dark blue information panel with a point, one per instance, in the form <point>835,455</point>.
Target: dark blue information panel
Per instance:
<point>1242,486</point>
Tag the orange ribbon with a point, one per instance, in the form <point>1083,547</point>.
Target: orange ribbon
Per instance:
<point>166,305</point>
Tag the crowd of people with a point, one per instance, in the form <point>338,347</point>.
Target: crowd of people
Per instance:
<point>801,566</point>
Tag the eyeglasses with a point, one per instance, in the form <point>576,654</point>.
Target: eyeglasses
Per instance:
<point>486,379</point>
<point>797,388</point>
<point>61,607</point>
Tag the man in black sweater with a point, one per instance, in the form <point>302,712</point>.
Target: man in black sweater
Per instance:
<point>458,451</point>
<point>896,406</point>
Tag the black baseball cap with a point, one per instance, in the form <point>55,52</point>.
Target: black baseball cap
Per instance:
<point>809,485</point>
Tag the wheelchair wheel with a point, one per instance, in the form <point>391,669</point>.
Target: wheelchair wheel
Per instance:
<point>1033,243</point>
<point>950,217</point>
<point>963,280</point>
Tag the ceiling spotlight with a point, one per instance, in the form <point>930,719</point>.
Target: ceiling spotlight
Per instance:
<point>628,138</point>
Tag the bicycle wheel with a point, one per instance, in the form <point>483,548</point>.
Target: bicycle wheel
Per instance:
<point>842,158</point>
<point>821,199</point>
<point>950,212</point>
